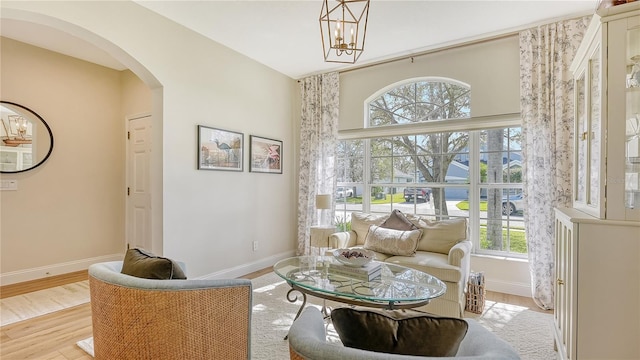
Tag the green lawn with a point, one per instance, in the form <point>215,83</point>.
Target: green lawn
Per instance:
<point>516,235</point>
<point>395,198</point>
<point>464,205</point>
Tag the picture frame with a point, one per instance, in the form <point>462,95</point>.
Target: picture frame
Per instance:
<point>220,149</point>
<point>265,155</point>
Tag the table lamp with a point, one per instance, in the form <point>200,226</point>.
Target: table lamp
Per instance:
<point>323,202</point>
<point>319,235</point>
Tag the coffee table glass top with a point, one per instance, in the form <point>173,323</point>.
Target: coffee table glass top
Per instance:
<point>396,284</point>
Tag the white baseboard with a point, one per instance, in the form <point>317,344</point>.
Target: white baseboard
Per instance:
<point>244,269</point>
<point>520,289</point>
<point>14,277</point>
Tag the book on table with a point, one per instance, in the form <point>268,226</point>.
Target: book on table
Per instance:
<point>367,272</point>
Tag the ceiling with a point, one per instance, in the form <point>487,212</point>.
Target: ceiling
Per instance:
<point>285,35</point>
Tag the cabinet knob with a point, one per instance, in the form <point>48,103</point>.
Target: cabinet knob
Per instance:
<point>560,282</point>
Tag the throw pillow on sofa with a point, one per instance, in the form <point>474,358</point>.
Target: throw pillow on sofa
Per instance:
<point>360,223</point>
<point>398,221</point>
<point>397,332</point>
<point>440,236</point>
<point>393,242</point>
<point>142,264</point>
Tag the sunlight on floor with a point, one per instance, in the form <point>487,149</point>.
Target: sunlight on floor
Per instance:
<point>27,306</point>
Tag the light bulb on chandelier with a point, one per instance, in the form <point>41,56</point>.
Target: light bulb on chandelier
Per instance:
<point>333,22</point>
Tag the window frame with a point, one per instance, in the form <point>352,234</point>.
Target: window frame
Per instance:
<point>473,125</point>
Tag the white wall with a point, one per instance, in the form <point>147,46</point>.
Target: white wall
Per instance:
<point>69,210</point>
<point>490,68</point>
<point>206,218</point>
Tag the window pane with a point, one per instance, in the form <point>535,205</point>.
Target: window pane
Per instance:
<point>350,170</point>
<point>501,220</point>
<point>420,101</point>
<point>381,147</point>
<point>380,170</point>
<point>381,199</point>
<point>501,156</point>
<point>404,145</point>
<point>403,169</point>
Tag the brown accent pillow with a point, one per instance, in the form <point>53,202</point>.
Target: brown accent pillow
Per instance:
<point>399,332</point>
<point>398,221</point>
<point>142,264</point>
<point>393,242</point>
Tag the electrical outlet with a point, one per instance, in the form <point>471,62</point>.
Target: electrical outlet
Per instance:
<point>255,246</point>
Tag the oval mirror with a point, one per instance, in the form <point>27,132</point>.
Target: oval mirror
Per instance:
<point>26,140</point>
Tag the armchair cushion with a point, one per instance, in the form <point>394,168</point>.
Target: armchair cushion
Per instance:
<point>389,241</point>
<point>398,332</point>
<point>142,264</point>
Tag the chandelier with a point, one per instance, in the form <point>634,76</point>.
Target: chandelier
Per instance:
<point>343,28</point>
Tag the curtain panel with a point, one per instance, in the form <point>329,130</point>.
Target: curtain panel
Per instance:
<point>318,134</point>
<point>546,99</point>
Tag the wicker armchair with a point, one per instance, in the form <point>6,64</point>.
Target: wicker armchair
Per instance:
<point>136,318</point>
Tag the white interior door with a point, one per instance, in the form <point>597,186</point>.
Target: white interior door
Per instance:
<point>139,183</point>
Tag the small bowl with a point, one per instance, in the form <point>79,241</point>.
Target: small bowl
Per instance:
<point>354,257</point>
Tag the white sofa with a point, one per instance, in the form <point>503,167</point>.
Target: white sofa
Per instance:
<point>443,251</point>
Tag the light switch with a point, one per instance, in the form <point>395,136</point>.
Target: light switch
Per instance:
<point>8,184</point>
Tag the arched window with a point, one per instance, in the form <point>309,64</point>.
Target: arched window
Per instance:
<point>420,101</point>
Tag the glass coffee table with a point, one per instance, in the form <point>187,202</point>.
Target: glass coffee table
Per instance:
<point>398,287</point>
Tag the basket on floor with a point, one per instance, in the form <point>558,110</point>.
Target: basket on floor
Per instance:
<point>475,293</point>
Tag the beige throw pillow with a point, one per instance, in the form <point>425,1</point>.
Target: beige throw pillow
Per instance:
<point>360,223</point>
<point>440,236</point>
<point>393,242</point>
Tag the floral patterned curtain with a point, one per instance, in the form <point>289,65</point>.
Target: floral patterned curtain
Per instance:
<point>318,133</point>
<point>546,101</point>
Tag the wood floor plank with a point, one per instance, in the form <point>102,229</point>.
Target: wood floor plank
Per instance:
<point>45,336</point>
<point>40,284</point>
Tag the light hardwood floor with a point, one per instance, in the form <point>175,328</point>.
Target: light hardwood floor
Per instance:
<point>54,336</point>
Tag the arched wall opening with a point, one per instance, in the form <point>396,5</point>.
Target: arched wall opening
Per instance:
<point>33,218</point>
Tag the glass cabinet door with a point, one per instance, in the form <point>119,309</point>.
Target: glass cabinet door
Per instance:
<point>581,142</point>
<point>632,151</point>
<point>594,128</point>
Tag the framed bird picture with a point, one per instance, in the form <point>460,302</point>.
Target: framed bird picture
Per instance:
<point>265,155</point>
<point>220,149</point>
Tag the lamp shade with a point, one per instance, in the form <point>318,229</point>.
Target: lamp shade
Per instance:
<point>323,201</point>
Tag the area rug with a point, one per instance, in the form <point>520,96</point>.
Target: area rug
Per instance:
<point>529,332</point>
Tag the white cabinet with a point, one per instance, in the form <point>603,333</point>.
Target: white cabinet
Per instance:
<point>607,115</point>
<point>597,299</point>
<point>597,258</point>
<point>15,158</point>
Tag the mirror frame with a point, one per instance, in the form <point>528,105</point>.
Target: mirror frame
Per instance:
<point>50,138</point>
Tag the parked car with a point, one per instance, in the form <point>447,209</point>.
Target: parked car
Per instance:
<point>512,204</point>
<point>421,194</point>
<point>344,192</point>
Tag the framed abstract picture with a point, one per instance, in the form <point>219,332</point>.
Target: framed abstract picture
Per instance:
<point>265,155</point>
<point>220,149</point>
